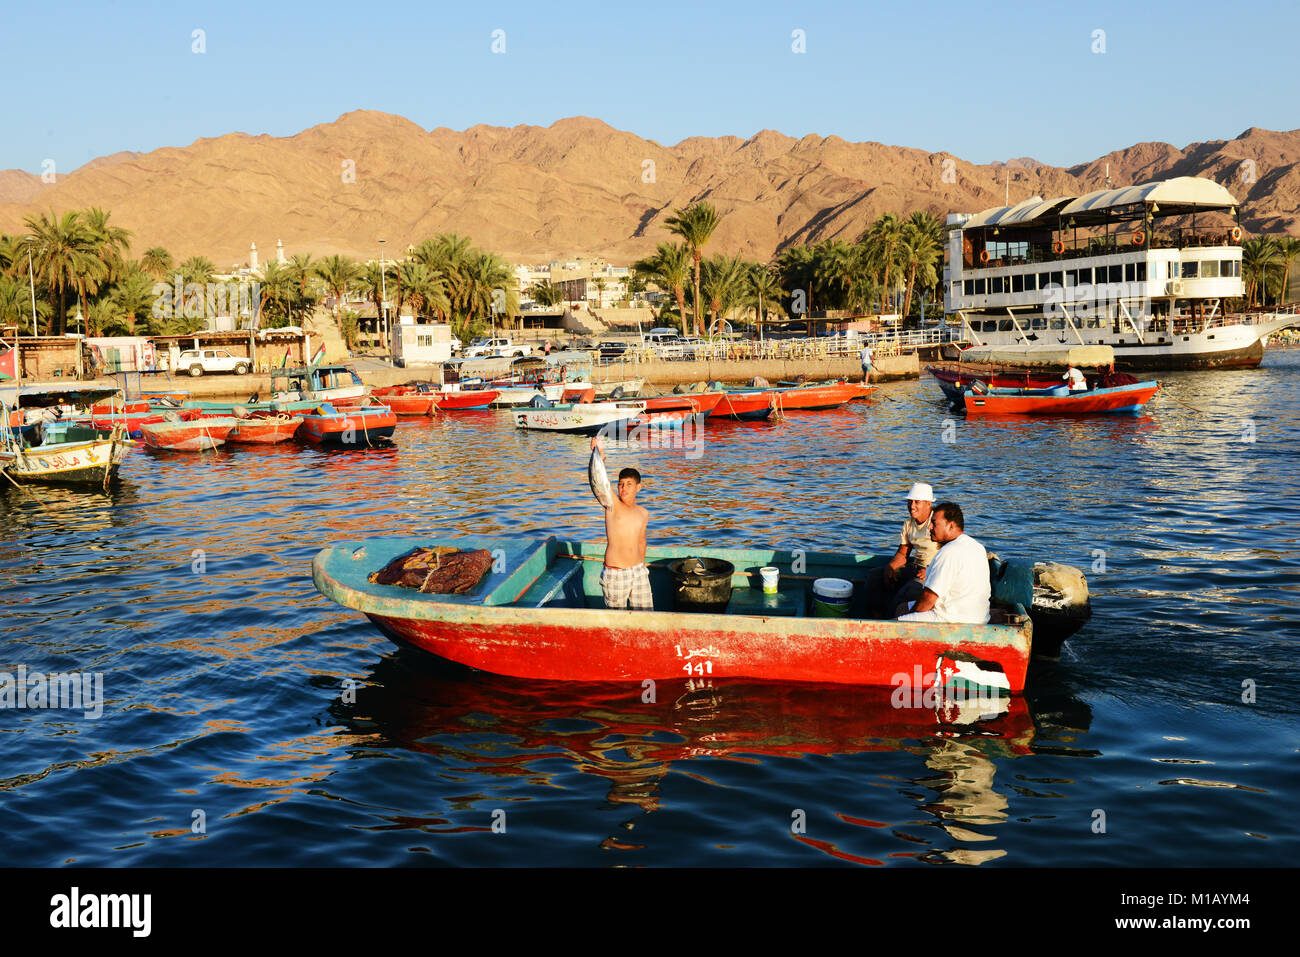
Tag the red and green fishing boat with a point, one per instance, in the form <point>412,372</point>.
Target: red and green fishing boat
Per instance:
<point>538,612</point>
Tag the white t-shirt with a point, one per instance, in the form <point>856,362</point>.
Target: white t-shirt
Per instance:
<point>1077,381</point>
<point>866,355</point>
<point>959,575</point>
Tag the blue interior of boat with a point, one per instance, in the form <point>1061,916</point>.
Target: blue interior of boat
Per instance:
<point>561,573</point>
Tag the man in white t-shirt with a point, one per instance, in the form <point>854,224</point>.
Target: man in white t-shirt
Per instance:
<point>1077,382</point>
<point>866,355</point>
<point>957,582</point>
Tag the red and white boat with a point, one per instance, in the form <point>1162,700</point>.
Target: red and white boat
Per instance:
<point>537,612</point>
<point>177,433</point>
<point>265,428</point>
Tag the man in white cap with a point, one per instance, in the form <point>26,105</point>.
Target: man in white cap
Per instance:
<point>904,577</point>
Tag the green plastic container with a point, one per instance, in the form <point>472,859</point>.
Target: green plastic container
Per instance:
<point>831,598</point>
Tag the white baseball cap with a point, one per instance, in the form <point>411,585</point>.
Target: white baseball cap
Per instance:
<point>920,492</point>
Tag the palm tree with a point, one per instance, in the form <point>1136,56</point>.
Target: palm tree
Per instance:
<point>132,299</point>
<point>764,288</point>
<point>920,248</point>
<point>420,286</point>
<point>490,287</point>
<point>1258,257</point>
<point>724,285</point>
<point>277,290</point>
<point>111,242</point>
<point>695,225</point>
<point>340,276</point>
<point>63,255</point>
<point>15,304</point>
<point>882,239</point>
<point>546,293</point>
<point>1288,248</point>
<point>157,262</point>
<point>797,267</point>
<point>670,269</point>
<point>301,273</point>
<point>374,282</point>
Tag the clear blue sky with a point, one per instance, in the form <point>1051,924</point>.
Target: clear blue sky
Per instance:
<point>983,80</point>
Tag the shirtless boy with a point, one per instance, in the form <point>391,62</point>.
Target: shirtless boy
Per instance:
<point>625,579</point>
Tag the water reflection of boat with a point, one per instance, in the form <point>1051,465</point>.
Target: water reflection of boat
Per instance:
<point>632,736</point>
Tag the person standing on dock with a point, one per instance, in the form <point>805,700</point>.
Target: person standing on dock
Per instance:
<point>867,355</point>
<point>625,579</point>
<point>957,585</point>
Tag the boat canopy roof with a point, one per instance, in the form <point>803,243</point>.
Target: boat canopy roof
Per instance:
<point>41,396</point>
<point>1179,196</point>
<point>569,358</point>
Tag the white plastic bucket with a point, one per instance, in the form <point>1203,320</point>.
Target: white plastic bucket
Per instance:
<point>770,575</point>
<point>831,597</point>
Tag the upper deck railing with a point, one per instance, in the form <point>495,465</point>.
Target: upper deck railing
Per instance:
<point>1087,246</point>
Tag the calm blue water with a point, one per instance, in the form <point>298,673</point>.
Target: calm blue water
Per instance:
<point>226,675</point>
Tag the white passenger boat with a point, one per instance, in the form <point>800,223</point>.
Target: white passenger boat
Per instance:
<point>1148,270</point>
<point>582,417</point>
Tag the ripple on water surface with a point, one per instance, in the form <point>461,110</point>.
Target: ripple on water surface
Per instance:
<point>305,737</point>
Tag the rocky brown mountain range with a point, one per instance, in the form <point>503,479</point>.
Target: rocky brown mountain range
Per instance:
<point>581,187</point>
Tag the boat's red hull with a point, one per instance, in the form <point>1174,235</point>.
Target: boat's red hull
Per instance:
<point>813,398</point>
<point>356,427</point>
<point>1121,400</point>
<point>704,402</point>
<point>267,431</point>
<point>452,401</point>
<point>580,651</point>
<point>407,403</point>
<point>755,405</point>
<point>198,435</point>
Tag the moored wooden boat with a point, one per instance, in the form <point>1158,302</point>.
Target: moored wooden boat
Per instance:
<point>1116,400</point>
<point>812,398</point>
<point>953,382</point>
<point>357,426</point>
<point>464,401</point>
<point>195,434</point>
<point>265,428</point>
<point>538,613</point>
<point>743,406</point>
<point>405,399</point>
<point>338,385</point>
<point>582,417</point>
<point>61,449</point>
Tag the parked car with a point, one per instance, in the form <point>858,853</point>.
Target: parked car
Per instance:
<point>496,348</point>
<point>670,348</point>
<point>197,362</point>
<point>611,349</point>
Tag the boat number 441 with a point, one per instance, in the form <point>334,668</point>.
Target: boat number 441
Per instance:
<point>704,666</point>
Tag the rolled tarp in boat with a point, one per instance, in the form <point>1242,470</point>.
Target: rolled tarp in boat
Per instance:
<point>1039,357</point>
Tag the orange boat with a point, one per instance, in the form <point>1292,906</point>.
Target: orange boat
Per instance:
<point>265,428</point>
<point>809,398</point>
<point>406,399</point>
<point>1057,401</point>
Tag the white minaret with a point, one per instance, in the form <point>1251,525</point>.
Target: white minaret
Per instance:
<point>252,257</point>
<point>279,252</point>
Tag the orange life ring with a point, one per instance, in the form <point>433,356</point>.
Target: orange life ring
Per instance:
<point>1236,233</point>
<point>1058,247</point>
<point>984,255</point>
<point>1139,238</point>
